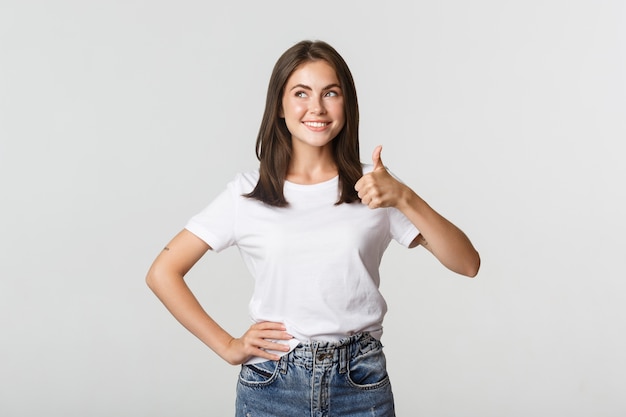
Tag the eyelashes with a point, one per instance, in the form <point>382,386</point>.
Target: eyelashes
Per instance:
<point>303,94</point>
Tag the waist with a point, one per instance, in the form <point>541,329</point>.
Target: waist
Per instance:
<point>332,352</point>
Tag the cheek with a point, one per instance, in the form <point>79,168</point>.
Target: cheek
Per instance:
<point>339,114</point>
<point>337,109</point>
<point>292,109</point>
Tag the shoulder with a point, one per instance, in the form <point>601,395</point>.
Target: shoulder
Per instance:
<point>241,183</point>
<point>244,181</point>
<point>248,178</point>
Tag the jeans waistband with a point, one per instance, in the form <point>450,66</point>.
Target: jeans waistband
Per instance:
<point>325,354</point>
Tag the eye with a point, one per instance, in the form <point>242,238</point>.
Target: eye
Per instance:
<point>301,94</point>
<point>331,93</point>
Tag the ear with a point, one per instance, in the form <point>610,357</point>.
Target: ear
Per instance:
<point>281,113</point>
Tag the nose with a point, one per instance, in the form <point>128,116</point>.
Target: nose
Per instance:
<point>317,106</point>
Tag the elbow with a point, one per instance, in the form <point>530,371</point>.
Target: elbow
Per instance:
<point>160,278</point>
<point>468,267</point>
<point>153,278</point>
<point>471,273</point>
<point>150,280</point>
<point>472,268</point>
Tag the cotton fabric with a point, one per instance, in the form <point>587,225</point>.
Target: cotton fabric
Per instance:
<point>315,263</point>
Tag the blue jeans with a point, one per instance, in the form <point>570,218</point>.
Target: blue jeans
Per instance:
<point>319,379</point>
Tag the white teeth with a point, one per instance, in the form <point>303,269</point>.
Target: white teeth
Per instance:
<point>315,124</point>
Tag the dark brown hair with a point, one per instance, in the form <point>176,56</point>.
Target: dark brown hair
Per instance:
<point>273,144</point>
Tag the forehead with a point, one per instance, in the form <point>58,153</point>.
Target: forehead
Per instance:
<point>314,73</point>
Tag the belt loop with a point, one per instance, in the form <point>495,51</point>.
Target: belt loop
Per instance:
<point>343,358</point>
<point>282,363</point>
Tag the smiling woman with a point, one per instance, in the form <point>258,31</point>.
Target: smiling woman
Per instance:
<point>312,107</point>
<point>312,225</point>
<point>304,74</point>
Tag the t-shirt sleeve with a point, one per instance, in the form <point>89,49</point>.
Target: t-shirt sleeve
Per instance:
<point>216,223</point>
<point>401,228</point>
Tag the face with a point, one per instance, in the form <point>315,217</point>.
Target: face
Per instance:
<point>312,105</point>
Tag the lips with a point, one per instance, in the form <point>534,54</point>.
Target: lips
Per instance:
<point>316,124</point>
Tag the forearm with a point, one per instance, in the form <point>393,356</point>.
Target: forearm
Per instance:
<point>183,305</point>
<point>446,241</point>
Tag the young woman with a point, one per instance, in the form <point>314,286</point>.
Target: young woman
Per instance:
<point>311,224</point>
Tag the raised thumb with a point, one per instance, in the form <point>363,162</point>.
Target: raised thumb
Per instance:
<point>376,160</point>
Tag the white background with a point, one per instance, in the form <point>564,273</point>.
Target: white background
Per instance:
<point>121,119</point>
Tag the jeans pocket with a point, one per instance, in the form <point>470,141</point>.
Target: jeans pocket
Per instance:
<point>368,371</point>
<point>259,374</point>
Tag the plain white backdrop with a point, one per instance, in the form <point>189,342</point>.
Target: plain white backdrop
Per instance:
<point>121,119</point>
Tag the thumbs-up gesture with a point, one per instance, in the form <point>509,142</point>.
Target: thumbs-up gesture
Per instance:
<point>379,188</point>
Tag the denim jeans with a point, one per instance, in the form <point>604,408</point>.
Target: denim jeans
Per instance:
<point>319,379</point>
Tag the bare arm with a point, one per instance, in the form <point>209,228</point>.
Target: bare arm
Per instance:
<point>166,279</point>
<point>439,236</point>
<point>442,238</point>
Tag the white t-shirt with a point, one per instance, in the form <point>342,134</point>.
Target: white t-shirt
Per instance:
<point>315,264</point>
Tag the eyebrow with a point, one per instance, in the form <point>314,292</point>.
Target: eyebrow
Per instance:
<point>306,87</point>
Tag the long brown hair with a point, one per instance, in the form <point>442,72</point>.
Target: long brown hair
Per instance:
<point>273,144</point>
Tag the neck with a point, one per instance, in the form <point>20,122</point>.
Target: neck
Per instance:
<point>311,165</point>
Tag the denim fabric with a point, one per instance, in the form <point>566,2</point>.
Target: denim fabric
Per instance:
<point>319,379</point>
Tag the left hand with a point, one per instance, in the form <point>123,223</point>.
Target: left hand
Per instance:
<point>379,188</point>
<point>442,238</point>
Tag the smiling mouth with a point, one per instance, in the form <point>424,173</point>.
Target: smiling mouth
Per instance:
<point>316,124</point>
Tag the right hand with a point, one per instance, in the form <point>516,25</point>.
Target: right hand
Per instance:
<point>256,342</point>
